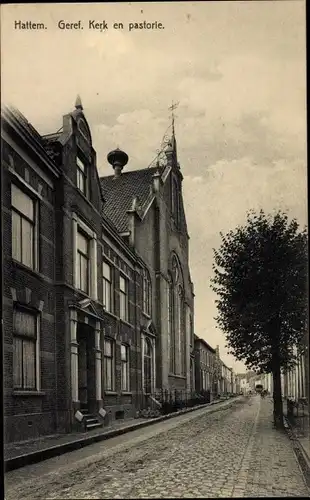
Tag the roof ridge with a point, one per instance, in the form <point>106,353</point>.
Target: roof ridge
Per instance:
<point>133,171</point>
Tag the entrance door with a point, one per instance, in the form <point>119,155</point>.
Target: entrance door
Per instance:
<point>86,366</point>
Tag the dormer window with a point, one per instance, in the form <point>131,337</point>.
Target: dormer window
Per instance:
<point>81,172</point>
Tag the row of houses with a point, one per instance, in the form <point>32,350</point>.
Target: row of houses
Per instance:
<point>294,383</point>
<point>98,301</point>
<point>211,373</point>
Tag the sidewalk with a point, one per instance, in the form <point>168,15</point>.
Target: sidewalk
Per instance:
<point>28,452</point>
<point>270,466</point>
<point>299,433</point>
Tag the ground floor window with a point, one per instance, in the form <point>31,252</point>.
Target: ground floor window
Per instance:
<point>109,365</point>
<point>125,383</point>
<point>24,350</point>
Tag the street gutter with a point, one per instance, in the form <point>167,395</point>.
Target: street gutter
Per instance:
<point>301,454</point>
<point>53,451</point>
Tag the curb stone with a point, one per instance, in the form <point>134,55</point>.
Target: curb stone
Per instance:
<point>53,451</point>
<point>301,455</point>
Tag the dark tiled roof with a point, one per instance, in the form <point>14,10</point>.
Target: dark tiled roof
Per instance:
<point>119,193</point>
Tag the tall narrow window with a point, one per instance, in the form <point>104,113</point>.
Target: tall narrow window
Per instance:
<point>125,383</point>
<point>109,365</point>
<point>23,227</point>
<point>81,173</point>
<point>123,298</point>
<point>146,289</point>
<point>175,201</point>
<point>83,262</point>
<point>107,286</point>
<point>148,366</point>
<point>171,327</point>
<point>24,350</point>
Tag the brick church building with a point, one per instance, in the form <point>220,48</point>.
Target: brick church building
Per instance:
<point>98,301</point>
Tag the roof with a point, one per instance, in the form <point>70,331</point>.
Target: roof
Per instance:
<point>30,134</point>
<point>119,193</point>
<point>203,341</point>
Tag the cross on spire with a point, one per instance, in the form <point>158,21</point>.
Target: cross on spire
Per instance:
<point>172,116</point>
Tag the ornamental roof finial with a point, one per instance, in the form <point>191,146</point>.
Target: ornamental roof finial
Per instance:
<point>78,103</point>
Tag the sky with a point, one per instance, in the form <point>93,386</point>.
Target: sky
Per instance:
<point>238,72</point>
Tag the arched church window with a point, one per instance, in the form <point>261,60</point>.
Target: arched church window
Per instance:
<point>170,312</point>
<point>175,200</point>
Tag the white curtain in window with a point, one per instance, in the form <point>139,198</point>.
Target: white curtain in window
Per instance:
<point>29,369</point>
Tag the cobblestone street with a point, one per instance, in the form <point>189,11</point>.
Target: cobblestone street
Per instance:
<point>233,452</point>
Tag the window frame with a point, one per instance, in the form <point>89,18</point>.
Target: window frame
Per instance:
<point>80,254</point>
<point>81,173</point>
<point>36,341</point>
<point>110,284</point>
<point>125,365</point>
<point>149,357</point>
<point>105,366</point>
<point>34,224</point>
<point>124,296</point>
<point>146,293</point>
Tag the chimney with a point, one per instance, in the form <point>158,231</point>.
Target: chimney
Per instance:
<point>118,159</point>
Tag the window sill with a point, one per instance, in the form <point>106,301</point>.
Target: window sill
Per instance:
<point>110,393</point>
<point>28,393</point>
<point>126,393</point>
<point>109,313</point>
<point>26,268</point>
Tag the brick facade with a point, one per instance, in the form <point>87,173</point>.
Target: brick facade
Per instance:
<point>106,334</point>
<point>52,289</point>
<point>205,367</point>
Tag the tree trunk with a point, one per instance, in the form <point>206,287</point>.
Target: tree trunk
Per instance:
<point>277,396</point>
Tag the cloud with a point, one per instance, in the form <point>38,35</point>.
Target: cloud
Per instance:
<point>238,72</point>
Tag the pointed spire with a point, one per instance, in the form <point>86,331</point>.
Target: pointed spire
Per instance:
<point>78,103</point>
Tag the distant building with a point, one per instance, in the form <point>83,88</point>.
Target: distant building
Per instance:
<point>205,375</point>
